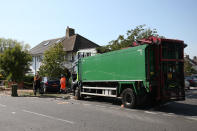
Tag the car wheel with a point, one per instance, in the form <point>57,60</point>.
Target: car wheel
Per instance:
<point>41,90</point>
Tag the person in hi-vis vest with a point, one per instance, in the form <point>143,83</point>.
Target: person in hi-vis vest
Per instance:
<point>63,84</point>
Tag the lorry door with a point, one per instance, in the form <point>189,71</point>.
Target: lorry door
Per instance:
<point>172,70</point>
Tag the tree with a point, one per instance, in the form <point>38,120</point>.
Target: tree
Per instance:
<point>187,67</point>
<point>188,70</point>
<point>132,35</point>
<point>53,64</point>
<point>10,43</point>
<point>15,61</point>
<point>1,74</point>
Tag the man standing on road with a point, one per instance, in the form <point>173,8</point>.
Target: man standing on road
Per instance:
<point>63,84</point>
<point>37,80</point>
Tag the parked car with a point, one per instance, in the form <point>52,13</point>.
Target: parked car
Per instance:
<point>187,84</point>
<point>194,76</point>
<point>192,80</point>
<point>50,84</point>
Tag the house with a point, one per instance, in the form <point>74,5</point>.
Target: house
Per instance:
<point>193,61</point>
<point>72,44</point>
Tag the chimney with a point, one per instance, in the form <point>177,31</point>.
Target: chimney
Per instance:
<point>69,32</point>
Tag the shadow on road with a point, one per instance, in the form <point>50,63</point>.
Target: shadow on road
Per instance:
<point>186,108</point>
<point>104,100</point>
<point>179,109</point>
<point>191,94</point>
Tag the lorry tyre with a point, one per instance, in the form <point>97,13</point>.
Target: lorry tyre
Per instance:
<point>128,98</point>
<point>77,93</point>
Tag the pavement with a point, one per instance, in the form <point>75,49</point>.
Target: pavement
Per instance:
<point>49,114</point>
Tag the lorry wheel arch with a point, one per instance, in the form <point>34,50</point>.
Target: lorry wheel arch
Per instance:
<point>128,98</point>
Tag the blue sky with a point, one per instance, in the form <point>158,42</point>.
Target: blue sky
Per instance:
<point>101,21</point>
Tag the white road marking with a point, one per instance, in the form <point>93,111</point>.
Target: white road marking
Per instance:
<point>86,104</point>
<point>51,117</point>
<point>2,105</point>
<point>192,118</point>
<point>167,114</point>
<point>13,112</point>
<point>115,108</point>
<point>63,103</point>
<point>100,106</point>
<point>129,109</point>
<point>171,113</point>
<point>150,112</point>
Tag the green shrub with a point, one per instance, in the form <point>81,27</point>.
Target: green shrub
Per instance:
<point>28,78</point>
<point>28,81</point>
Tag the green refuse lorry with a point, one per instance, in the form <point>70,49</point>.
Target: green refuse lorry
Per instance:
<point>149,72</point>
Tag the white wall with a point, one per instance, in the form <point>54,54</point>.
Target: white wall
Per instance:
<point>70,56</point>
<point>36,63</point>
<point>91,50</point>
<point>69,60</point>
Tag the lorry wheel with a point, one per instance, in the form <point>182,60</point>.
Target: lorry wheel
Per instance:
<point>128,98</point>
<point>77,93</point>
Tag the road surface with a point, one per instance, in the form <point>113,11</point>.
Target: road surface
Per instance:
<point>50,114</point>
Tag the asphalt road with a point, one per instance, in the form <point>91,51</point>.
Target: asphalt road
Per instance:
<point>50,114</point>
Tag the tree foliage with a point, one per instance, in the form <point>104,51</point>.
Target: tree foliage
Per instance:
<point>132,35</point>
<point>10,43</point>
<point>188,70</point>
<point>53,62</point>
<point>14,59</point>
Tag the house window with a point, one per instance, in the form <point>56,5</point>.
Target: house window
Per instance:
<point>39,58</point>
<point>88,54</point>
<point>80,55</point>
<point>83,54</point>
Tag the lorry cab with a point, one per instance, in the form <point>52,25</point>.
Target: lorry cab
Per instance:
<point>81,54</point>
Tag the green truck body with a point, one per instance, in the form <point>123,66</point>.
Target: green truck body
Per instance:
<point>152,70</point>
<point>122,65</point>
